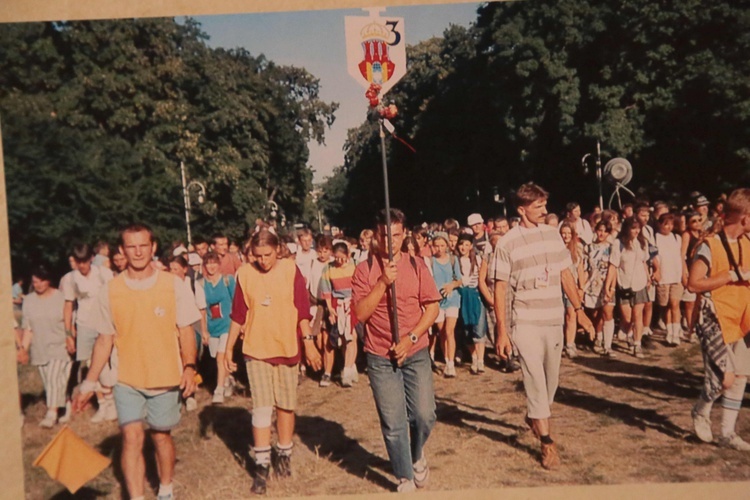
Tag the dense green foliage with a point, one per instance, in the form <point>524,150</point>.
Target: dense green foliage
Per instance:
<point>97,116</point>
<point>528,90</point>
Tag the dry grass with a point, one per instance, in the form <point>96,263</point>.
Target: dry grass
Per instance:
<point>616,421</point>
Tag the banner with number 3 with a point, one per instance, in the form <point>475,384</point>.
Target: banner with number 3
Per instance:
<point>375,50</point>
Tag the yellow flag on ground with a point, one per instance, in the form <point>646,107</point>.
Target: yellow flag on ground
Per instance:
<point>70,460</point>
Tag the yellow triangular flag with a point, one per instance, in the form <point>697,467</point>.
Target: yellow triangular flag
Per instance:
<point>70,460</point>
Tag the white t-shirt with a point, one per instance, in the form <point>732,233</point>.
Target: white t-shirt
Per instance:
<point>670,258</point>
<point>630,264</point>
<point>200,294</point>
<point>304,261</point>
<point>316,271</point>
<point>85,290</point>
<point>187,312</point>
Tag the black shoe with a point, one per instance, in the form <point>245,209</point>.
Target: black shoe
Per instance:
<point>283,465</point>
<point>260,480</point>
<point>513,365</point>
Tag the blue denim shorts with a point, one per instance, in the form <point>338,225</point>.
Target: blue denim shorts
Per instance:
<point>160,410</point>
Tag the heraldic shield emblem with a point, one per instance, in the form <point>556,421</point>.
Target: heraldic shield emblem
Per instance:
<point>375,50</point>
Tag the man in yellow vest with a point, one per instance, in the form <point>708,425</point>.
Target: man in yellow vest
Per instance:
<point>720,271</point>
<point>148,315</point>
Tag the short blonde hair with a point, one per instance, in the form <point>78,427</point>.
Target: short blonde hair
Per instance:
<point>738,202</point>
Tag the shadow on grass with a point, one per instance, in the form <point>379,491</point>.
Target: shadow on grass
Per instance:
<point>29,399</point>
<point>329,440</point>
<point>448,412</point>
<point>112,448</point>
<point>641,418</point>
<point>84,493</point>
<point>234,427</point>
<point>645,379</point>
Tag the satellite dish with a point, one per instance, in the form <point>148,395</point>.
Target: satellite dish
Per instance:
<point>618,171</point>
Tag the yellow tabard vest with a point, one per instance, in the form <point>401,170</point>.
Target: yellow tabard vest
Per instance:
<point>732,300</point>
<point>146,333</point>
<point>271,323</point>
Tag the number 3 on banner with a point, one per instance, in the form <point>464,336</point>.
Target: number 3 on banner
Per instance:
<point>392,25</point>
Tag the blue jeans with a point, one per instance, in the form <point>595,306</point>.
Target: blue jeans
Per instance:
<point>405,401</point>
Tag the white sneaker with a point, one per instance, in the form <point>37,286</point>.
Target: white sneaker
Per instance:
<point>734,442</point>
<point>49,420</point>
<point>229,384</point>
<point>621,336</point>
<point>68,413</point>
<point>676,336</point>
<point>218,397</point>
<point>346,378</point>
<point>702,426</point>
<point>669,337</point>
<point>661,325</point>
<point>480,366</point>
<point>101,413</point>
<point>421,473</point>
<point>449,371</point>
<point>406,486</point>
<point>191,404</point>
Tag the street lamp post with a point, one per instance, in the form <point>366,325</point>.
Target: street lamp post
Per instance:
<point>186,186</point>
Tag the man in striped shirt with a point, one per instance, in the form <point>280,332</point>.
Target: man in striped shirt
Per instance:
<point>530,269</point>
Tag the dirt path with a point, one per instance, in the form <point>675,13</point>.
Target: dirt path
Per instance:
<point>616,421</point>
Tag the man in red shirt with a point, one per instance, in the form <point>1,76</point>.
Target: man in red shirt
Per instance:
<point>230,262</point>
<point>400,373</point>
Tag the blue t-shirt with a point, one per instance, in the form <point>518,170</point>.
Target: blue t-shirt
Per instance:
<point>219,304</point>
<point>444,273</point>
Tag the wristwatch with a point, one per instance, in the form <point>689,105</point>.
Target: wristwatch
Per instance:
<point>413,337</point>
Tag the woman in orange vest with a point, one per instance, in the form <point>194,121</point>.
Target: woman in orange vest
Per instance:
<point>271,302</point>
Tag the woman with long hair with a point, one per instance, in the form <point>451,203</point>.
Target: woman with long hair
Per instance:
<point>271,301</point>
<point>628,268</point>
<point>574,246</point>
<point>447,274</point>
<point>473,312</point>
<point>692,235</point>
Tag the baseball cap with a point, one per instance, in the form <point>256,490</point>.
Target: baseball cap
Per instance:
<point>474,219</point>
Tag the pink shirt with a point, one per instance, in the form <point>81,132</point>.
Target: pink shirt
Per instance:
<point>414,289</point>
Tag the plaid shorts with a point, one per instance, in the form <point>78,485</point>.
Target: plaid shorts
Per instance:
<point>272,385</point>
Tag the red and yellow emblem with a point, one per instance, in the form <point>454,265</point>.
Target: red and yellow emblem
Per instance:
<point>376,66</point>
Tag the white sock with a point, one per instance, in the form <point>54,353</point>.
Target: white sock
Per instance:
<point>165,490</point>
<point>285,449</point>
<point>731,403</point>
<point>609,332</point>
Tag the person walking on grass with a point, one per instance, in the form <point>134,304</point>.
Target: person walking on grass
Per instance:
<point>335,289</point>
<point>271,302</point>
<point>720,272</point>
<point>148,314</point>
<point>446,272</point>
<point>531,269</point>
<point>400,372</point>
<point>45,344</point>
<point>218,290</point>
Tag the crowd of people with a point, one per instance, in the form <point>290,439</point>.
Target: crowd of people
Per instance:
<point>133,331</point>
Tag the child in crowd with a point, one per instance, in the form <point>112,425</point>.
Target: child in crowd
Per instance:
<point>673,277</point>
<point>335,289</point>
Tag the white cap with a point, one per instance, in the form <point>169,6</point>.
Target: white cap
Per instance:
<point>194,259</point>
<point>179,250</point>
<point>474,219</point>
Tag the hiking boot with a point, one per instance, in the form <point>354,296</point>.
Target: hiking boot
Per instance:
<point>406,486</point>
<point>49,420</point>
<point>283,465</point>
<point>734,442</point>
<point>260,479</point>
<point>550,456</point>
<point>512,365</point>
<point>702,426</point>
<point>638,352</point>
<point>325,380</point>
<point>218,396</point>
<point>421,473</point>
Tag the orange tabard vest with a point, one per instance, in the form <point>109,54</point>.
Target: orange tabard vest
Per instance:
<point>731,300</point>
<point>146,333</point>
<point>271,323</point>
